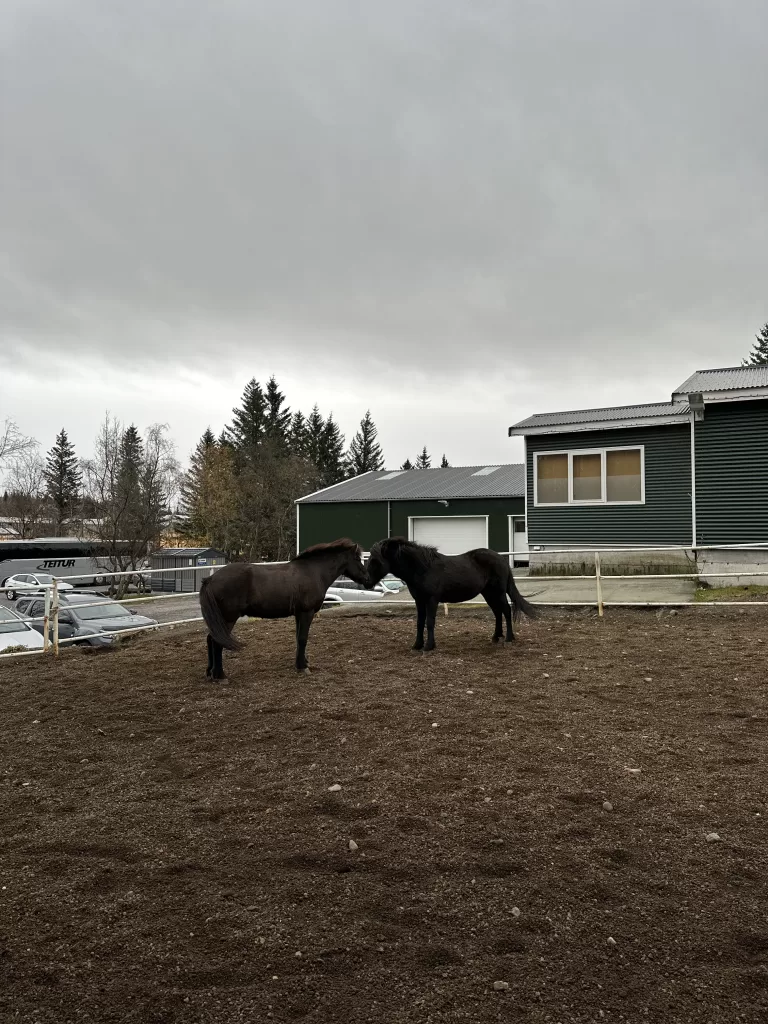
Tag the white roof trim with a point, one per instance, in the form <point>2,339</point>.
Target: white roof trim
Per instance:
<point>323,489</point>
<point>574,428</point>
<point>733,394</point>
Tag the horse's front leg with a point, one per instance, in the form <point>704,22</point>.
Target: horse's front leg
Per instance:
<point>432,605</point>
<point>421,618</point>
<point>303,622</point>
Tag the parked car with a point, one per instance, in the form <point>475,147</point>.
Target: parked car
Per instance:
<point>347,590</point>
<point>82,615</point>
<point>31,583</point>
<point>393,584</point>
<point>14,632</point>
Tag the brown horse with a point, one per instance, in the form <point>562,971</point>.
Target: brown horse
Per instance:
<point>432,577</point>
<point>294,588</point>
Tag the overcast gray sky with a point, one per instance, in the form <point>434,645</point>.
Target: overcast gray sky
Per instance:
<point>456,213</point>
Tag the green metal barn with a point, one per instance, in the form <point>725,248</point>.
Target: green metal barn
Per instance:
<point>454,509</point>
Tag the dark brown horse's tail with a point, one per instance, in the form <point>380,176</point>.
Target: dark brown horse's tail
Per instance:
<point>214,620</point>
<point>519,604</point>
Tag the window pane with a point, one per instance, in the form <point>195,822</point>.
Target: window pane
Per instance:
<point>623,476</point>
<point>587,473</point>
<point>552,478</point>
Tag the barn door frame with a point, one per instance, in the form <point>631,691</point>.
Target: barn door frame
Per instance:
<point>443,518</point>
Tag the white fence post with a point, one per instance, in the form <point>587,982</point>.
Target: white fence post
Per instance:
<point>55,611</point>
<point>46,620</point>
<point>599,583</point>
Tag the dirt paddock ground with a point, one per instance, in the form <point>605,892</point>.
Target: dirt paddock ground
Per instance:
<point>534,815</point>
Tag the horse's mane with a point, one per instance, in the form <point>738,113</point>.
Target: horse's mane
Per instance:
<point>317,550</point>
<point>421,553</point>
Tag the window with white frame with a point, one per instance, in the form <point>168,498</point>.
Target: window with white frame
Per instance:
<point>598,476</point>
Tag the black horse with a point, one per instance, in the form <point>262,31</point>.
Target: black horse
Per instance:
<point>295,588</point>
<point>432,578</point>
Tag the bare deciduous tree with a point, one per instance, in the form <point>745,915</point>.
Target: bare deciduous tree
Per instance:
<point>13,443</point>
<point>27,505</point>
<point>132,482</point>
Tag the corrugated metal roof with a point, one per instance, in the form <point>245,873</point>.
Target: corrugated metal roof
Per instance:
<point>455,482</point>
<point>616,414</point>
<point>730,378</point>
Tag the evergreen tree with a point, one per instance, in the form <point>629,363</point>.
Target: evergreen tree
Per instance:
<point>315,427</point>
<point>444,464</point>
<point>423,461</point>
<point>298,436</point>
<point>131,457</point>
<point>364,452</point>
<point>63,479</point>
<point>128,487</point>
<point>330,461</point>
<point>248,424</point>
<point>194,482</point>
<point>277,421</point>
<point>759,354</point>
<point>407,464</point>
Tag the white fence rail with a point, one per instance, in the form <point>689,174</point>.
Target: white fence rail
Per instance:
<point>52,606</point>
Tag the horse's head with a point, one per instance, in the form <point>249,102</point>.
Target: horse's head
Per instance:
<point>353,566</point>
<point>380,561</point>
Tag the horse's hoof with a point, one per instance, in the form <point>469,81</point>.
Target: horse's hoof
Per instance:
<point>304,671</point>
<point>495,639</point>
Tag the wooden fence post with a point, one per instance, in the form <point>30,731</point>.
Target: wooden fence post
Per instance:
<point>599,583</point>
<point>46,620</point>
<point>55,611</point>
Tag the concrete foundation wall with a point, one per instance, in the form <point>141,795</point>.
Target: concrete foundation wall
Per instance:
<point>743,560</point>
<point>616,563</point>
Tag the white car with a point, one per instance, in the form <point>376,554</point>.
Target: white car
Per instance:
<point>16,633</point>
<point>31,583</point>
<point>347,591</point>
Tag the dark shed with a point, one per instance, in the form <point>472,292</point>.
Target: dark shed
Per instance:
<point>186,582</point>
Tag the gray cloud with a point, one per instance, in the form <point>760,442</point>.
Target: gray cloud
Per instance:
<point>572,197</point>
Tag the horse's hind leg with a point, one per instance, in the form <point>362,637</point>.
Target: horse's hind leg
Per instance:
<point>209,669</point>
<point>508,617</point>
<point>217,672</point>
<point>499,605</point>
<point>303,622</point>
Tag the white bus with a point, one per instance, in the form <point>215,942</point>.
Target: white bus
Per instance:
<point>58,556</point>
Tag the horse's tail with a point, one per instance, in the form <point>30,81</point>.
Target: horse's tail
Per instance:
<point>519,604</point>
<point>214,620</point>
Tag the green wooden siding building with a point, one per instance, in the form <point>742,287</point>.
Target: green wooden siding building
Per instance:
<point>685,474</point>
<point>454,509</point>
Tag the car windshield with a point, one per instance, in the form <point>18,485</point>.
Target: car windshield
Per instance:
<point>102,610</point>
<point>9,623</point>
<point>43,577</point>
<point>391,584</point>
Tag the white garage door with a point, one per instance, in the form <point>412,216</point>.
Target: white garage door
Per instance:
<point>451,534</point>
